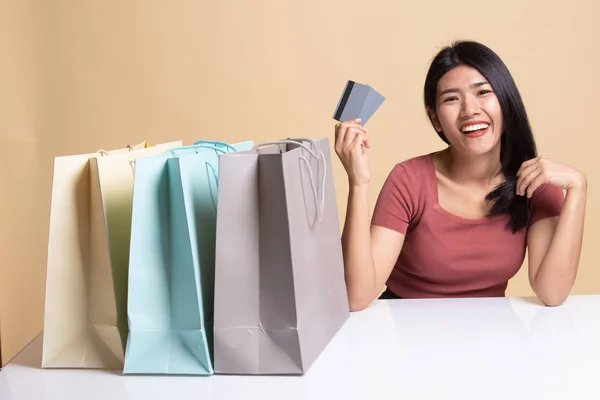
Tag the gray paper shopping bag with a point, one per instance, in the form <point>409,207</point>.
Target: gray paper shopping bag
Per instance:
<point>280,294</point>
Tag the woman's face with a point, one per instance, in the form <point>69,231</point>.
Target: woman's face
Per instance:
<point>468,111</point>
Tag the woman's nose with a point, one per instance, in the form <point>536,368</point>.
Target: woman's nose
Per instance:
<point>470,107</point>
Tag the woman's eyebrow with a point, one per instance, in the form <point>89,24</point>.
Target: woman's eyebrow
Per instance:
<point>475,85</point>
<point>478,84</point>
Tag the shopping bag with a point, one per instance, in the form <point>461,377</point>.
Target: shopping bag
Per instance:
<point>280,293</point>
<point>171,271</point>
<point>85,321</point>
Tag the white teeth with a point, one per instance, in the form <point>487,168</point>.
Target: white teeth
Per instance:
<point>474,127</point>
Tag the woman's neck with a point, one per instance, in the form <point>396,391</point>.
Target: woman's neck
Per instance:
<point>480,170</point>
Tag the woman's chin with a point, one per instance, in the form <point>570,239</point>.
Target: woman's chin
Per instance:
<point>480,146</point>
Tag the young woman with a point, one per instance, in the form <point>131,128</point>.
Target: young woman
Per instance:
<point>458,222</point>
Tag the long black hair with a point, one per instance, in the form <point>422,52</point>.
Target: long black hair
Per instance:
<point>517,144</point>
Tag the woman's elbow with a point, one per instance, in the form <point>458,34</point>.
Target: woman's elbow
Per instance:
<point>357,306</point>
<point>358,303</point>
<point>552,299</point>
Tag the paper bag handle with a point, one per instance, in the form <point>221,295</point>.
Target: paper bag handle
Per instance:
<point>319,204</point>
<point>201,145</point>
<point>209,166</point>
<point>216,143</point>
<point>132,162</point>
<point>198,146</point>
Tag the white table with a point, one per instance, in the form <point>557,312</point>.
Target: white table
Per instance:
<point>499,348</point>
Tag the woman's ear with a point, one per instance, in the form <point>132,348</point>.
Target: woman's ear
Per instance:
<point>434,120</point>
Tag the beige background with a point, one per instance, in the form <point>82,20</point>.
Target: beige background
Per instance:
<point>77,76</point>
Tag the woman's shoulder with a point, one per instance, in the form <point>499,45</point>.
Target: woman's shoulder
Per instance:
<point>404,194</point>
<point>412,177</point>
<point>414,168</point>
<point>546,201</point>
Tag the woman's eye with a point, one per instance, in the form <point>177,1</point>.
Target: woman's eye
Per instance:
<point>484,91</point>
<point>449,99</point>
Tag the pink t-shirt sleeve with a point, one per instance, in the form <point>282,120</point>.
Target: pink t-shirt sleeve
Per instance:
<point>396,206</point>
<point>547,201</point>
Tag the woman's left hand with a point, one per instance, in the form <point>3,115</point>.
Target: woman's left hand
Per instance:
<point>540,170</point>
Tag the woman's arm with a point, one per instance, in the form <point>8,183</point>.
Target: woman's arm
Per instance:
<point>554,244</point>
<point>370,251</point>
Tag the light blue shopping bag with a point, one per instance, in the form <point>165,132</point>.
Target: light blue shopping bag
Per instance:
<point>172,260</point>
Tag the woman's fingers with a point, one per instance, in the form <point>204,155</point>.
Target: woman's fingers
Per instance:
<point>536,183</point>
<point>360,140</point>
<point>525,180</point>
<point>345,133</point>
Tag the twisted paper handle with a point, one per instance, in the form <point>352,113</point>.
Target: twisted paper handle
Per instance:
<point>319,204</point>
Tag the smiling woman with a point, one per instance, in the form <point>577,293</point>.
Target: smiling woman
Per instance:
<point>458,222</point>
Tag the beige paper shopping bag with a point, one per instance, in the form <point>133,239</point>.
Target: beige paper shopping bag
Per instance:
<point>85,322</point>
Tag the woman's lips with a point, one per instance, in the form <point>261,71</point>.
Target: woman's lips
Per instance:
<point>476,134</point>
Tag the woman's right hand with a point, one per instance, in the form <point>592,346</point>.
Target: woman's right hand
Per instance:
<point>351,146</point>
